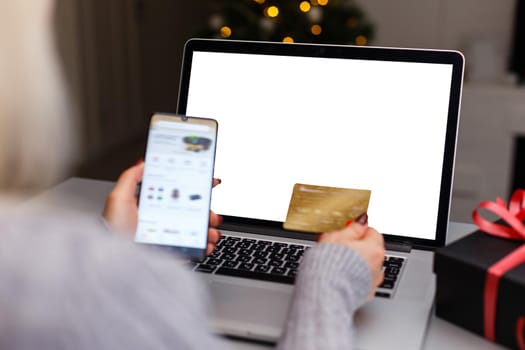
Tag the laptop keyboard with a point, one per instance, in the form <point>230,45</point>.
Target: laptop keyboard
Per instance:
<point>275,262</point>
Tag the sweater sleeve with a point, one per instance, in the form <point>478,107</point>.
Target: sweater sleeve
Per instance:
<point>64,285</point>
<point>333,283</point>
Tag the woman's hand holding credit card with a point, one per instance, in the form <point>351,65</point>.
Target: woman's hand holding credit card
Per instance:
<point>339,216</point>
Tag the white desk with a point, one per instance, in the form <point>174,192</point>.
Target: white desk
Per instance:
<point>89,196</point>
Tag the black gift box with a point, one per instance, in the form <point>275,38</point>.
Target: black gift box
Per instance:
<point>461,270</point>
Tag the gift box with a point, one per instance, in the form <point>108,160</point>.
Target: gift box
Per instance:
<point>481,277</point>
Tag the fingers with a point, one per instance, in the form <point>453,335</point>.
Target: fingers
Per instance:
<point>120,209</point>
<point>216,182</point>
<point>215,220</point>
<point>213,237</point>
<point>210,248</point>
<point>375,255</point>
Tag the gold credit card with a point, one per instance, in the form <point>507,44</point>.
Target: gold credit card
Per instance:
<point>321,209</point>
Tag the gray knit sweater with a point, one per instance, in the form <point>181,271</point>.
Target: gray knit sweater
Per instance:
<point>66,283</point>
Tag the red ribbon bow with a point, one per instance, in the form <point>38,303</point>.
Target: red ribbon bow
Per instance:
<point>513,216</point>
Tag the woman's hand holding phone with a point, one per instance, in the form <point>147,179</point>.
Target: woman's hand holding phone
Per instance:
<point>121,209</point>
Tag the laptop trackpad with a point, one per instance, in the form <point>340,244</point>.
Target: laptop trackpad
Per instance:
<point>257,308</point>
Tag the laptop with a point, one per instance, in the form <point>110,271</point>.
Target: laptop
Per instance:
<point>382,119</point>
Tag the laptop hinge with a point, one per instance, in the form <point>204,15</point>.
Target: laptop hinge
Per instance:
<point>403,247</point>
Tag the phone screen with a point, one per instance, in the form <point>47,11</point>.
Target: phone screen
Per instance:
<point>174,200</point>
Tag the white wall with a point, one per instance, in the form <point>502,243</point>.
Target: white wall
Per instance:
<point>491,105</point>
<point>481,29</point>
<point>439,23</point>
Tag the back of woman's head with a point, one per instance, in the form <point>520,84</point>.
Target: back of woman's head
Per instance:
<point>37,143</point>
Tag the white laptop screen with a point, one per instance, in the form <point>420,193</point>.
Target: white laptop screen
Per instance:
<point>366,124</point>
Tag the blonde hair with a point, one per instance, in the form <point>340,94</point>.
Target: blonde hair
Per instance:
<point>37,144</point>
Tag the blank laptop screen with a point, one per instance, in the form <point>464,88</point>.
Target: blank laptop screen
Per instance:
<point>357,123</point>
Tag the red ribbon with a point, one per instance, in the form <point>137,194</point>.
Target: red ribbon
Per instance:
<point>520,326</point>
<point>513,216</point>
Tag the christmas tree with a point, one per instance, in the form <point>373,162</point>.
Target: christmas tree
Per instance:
<point>306,21</point>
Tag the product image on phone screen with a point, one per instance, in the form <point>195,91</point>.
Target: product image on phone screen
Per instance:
<point>174,200</point>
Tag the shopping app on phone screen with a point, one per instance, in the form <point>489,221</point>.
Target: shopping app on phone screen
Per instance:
<point>176,187</point>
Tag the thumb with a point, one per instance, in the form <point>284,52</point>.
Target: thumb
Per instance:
<point>355,231</point>
<point>128,181</point>
<point>357,228</point>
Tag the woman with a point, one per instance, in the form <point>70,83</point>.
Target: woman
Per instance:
<point>69,281</point>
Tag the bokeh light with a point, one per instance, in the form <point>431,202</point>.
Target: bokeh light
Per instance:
<point>305,6</point>
<point>361,40</point>
<point>271,11</point>
<point>316,29</point>
<point>226,32</point>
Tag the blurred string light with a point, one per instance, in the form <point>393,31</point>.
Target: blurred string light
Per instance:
<point>305,6</point>
<point>361,40</point>
<point>271,11</point>
<point>316,21</point>
<point>225,31</point>
<point>316,29</point>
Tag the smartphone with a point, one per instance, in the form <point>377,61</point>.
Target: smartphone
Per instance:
<point>175,195</point>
